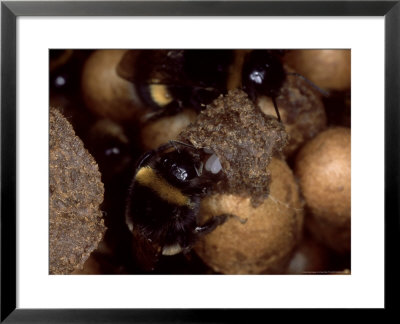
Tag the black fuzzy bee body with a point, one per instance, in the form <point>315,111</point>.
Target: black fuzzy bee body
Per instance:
<point>164,202</point>
<point>169,80</point>
<point>160,219</point>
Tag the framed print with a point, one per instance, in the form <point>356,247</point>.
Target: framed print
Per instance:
<point>177,63</point>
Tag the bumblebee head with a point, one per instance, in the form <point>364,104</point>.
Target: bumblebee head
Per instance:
<point>187,167</point>
<point>180,167</point>
<point>263,74</point>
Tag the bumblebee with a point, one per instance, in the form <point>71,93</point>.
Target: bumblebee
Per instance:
<point>169,80</point>
<point>164,200</point>
<point>263,74</point>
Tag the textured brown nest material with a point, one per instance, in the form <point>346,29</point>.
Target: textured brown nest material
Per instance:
<point>76,192</point>
<point>301,108</point>
<point>243,138</point>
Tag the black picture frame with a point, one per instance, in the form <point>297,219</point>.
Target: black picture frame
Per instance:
<point>10,10</point>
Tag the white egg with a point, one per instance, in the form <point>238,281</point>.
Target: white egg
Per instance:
<point>213,164</point>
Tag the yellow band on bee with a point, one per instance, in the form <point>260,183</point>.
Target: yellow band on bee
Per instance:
<point>147,177</point>
<point>160,94</point>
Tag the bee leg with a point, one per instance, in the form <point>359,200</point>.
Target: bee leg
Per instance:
<point>212,223</point>
<point>276,109</point>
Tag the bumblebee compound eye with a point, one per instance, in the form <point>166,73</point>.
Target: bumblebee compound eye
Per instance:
<point>180,173</point>
<point>179,167</point>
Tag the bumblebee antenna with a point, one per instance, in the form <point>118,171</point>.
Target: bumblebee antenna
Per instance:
<point>174,144</point>
<point>323,92</point>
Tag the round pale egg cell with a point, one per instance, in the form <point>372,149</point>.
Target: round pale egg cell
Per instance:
<point>323,168</point>
<point>104,91</point>
<point>255,240</point>
<point>329,69</point>
<point>158,132</point>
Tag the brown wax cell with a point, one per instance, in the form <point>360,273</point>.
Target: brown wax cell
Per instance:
<point>158,132</point>
<point>243,138</point>
<point>310,257</point>
<point>106,93</point>
<point>323,167</point>
<point>76,225</point>
<point>328,69</point>
<point>264,243</point>
<point>301,108</point>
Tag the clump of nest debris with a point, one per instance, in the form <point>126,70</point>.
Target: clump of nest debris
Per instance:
<point>243,138</point>
<point>76,192</point>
